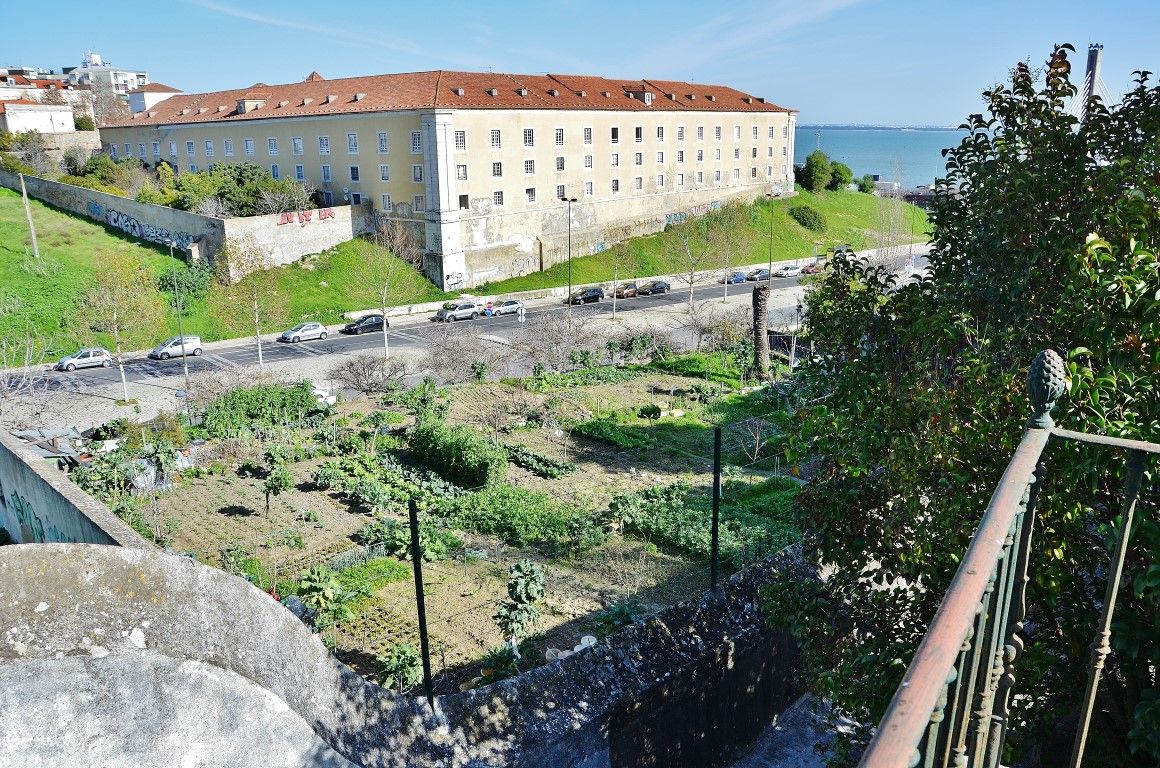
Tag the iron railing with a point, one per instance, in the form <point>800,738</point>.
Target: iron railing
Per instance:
<point>952,706</point>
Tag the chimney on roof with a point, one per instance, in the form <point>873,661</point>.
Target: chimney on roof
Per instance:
<point>306,100</point>
<point>458,91</point>
<point>151,113</point>
<point>314,77</point>
<point>331,99</point>
<point>282,104</point>
<point>249,104</point>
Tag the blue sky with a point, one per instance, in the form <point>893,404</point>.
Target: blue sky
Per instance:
<point>889,62</point>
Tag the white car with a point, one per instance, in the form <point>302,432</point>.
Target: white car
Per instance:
<point>177,346</point>
<point>793,271</point>
<point>304,331</point>
<point>509,307</point>
<point>89,357</point>
<point>462,310</point>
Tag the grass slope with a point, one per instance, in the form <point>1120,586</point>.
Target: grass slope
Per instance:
<point>851,217</point>
<point>38,298</point>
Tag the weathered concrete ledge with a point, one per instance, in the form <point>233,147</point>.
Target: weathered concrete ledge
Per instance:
<point>692,686</point>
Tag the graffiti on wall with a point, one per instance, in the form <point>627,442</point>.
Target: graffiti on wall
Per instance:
<point>453,280</point>
<point>304,217</point>
<point>697,210</point>
<point>131,226</point>
<point>32,527</point>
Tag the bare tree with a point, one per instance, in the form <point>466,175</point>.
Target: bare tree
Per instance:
<point>553,337</point>
<point>453,352</point>
<point>250,292</point>
<point>108,106</point>
<point>692,247</point>
<point>292,196</point>
<point>624,255</point>
<point>214,207</point>
<point>24,389</point>
<point>370,374</point>
<point>52,96</point>
<point>123,303</point>
<point>393,252</point>
<point>29,148</point>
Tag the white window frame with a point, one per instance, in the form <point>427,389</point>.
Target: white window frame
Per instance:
<point>680,133</point>
<point>324,145</point>
<point>660,157</point>
<point>680,179</point>
<point>588,189</point>
<point>680,155</point>
<point>660,181</point>
<point>417,174</point>
<point>272,146</point>
<point>384,172</point>
<point>497,169</point>
<point>173,149</point>
<point>385,201</point>
<point>460,141</point>
<point>615,186</point>
<point>497,198</point>
<point>352,143</point>
<point>296,145</point>
<point>530,194</point>
<point>496,138</point>
<point>190,149</point>
<point>228,147</point>
<point>700,133</point>
<point>529,167</point>
<point>326,177</point>
<point>559,163</point>
<point>615,159</point>
<point>638,158</point>
<point>660,134</point>
<point>299,173</point>
<point>614,135</point>
<point>638,134</point>
<point>561,192</point>
<point>461,172</point>
<point>156,149</point>
<point>587,161</point>
<point>419,202</point>
<point>529,137</point>
<point>638,183</point>
<point>354,173</point>
<point>384,142</point>
<point>717,133</point>
<point>559,137</point>
<point>275,171</point>
<point>416,142</point>
<point>141,149</point>
<point>588,134</point>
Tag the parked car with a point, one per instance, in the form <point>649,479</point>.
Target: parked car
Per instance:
<point>366,324</point>
<point>177,346</point>
<point>463,310</point>
<point>304,331</point>
<point>509,307</point>
<point>626,291</point>
<point>788,271</point>
<point>586,295</point>
<point>653,288</point>
<point>758,275</point>
<point>89,357</point>
<point>812,269</point>
<point>733,278</point>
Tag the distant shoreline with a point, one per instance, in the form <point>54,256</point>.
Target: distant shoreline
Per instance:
<point>860,127</point>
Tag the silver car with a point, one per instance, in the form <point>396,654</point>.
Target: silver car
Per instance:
<point>788,271</point>
<point>304,331</point>
<point>509,307</point>
<point>89,357</point>
<point>177,346</point>
<point>462,310</point>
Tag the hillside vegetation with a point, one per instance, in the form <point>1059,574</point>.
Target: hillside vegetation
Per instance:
<point>38,297</point>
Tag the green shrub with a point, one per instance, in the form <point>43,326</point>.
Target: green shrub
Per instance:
<point>808,217</point>
<point>650,411</point>
<point>327,477</point>
<point>13,165</point>
<point>401,669</point>
<point>394,538</point>
<point>458,453</point>
<point>84,123</point>
<point>241,411</point>
<point>605,374</point>
<point>523,517</point>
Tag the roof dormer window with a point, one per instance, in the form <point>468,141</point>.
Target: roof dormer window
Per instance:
<point>493,92</point>
<point>359,96</point>
<point>522,91</point>
<point>331,99</point>
<point>553,92</point>
<point>459,91</point>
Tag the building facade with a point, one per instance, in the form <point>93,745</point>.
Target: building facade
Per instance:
<point>95,74</point>
<point>19,115</point>
<point>480,161</point>
<point>148,96</point>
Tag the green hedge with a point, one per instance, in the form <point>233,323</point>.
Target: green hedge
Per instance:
<point>242,410</point>
<point>458,453</point>
<point>808,217</point>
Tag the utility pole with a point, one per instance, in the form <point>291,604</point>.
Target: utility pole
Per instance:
<point>28,213</point>
<point>181,330</point>
<point>769,276</point>
<point>569,201</point>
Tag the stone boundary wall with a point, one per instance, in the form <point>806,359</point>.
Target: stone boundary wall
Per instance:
<point>565,714</point>
<point>39,504</point>
<point>282,237</point>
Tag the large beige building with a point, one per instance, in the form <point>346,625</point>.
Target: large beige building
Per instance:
<point>482,160</point>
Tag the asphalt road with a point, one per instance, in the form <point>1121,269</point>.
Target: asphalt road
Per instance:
<point>415,333</point>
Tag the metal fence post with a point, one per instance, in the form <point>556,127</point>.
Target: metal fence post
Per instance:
<point>417,564</point>
<point>716,545</point>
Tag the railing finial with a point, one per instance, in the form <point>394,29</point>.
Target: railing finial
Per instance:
<point>1045,384</point>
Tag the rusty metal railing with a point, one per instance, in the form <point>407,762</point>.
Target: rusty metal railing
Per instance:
<point>952,706</point>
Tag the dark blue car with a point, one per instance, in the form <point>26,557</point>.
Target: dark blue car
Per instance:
<point>734,278</point>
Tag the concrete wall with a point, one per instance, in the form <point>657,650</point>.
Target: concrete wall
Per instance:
<point>283,238</point>
<point>38,504</point>
<point>141,609</point>
<point>43,118</point>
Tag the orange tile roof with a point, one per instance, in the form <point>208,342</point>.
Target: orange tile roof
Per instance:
<point>156,88</point>
<point>444,89</point>
<point>4,103</point>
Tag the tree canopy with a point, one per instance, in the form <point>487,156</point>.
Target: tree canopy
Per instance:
<point>1044,236</point>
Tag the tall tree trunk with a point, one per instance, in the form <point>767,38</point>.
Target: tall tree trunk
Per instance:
<point>761,331</point>
<point>386,343</point>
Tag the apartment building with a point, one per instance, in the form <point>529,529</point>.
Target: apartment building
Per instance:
<point>95,74</point>
<point>480,161</point>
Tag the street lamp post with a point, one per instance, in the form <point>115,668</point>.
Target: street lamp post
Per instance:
<point>569,201</point>
<point>180,329</point>
<point>769,275</point>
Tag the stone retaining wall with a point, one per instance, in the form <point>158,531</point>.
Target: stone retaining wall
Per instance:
<point>702,661</point>
<point>39,504</point>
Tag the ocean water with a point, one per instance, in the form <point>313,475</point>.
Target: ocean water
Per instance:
<point>910,155</point>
